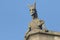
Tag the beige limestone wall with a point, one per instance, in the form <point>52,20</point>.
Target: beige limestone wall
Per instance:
<point>43,37</point>
<point>56,38</point>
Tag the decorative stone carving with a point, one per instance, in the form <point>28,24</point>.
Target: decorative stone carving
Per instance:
<point>37,30</point>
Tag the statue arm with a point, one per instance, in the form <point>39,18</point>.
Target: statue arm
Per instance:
<point>41,22</point>
<point>43,27</point>
<point>29,29</point>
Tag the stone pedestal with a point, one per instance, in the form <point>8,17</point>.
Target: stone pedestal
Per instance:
<point>38,34</point>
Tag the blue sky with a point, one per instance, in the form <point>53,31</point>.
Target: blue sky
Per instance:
<point>15,17</point>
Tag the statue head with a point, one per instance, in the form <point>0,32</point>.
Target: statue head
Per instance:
<point>32,9</point>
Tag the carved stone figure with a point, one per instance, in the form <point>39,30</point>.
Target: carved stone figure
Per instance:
<point>35,23</point>
<point>37,29</point>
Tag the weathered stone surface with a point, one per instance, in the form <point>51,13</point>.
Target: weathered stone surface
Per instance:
<point>40,37</point>
<point>43,37</point>
<point>56,38</point>
<point>38,34</point>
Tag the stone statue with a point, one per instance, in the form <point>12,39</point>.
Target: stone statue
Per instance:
<point>35,23</point>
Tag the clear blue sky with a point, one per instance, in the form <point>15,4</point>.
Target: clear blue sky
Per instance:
<point>15,17</point>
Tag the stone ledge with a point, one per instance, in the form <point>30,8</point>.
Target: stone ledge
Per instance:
<point>38,31</point>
